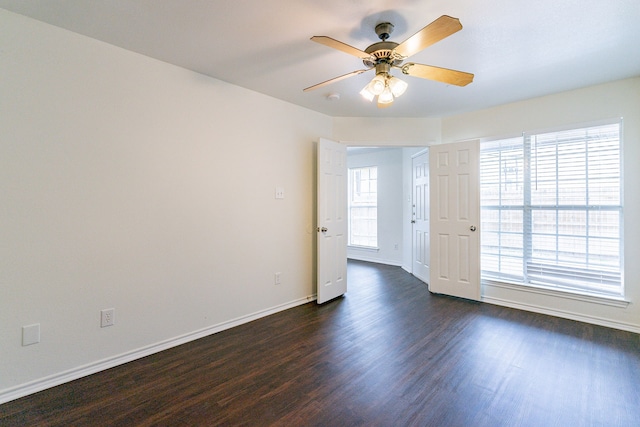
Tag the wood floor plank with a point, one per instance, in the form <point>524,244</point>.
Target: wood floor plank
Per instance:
<point>387,354</point>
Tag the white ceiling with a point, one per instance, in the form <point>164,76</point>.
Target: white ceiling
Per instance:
<point>517,49</point>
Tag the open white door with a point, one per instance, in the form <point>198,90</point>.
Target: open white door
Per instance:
<point>420,218</point>
<point>332,220</point>
<point>455,212</point>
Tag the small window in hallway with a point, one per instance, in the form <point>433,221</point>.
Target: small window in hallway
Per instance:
<point>363,207</point>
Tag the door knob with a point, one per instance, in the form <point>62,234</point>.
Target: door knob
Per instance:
<point>472,228</point>
<point>413,221</point>
<point>323,229</point>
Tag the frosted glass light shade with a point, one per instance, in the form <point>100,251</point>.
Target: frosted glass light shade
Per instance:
<point>377,84</point>
<point>366,94</point>
<point>386,97</point>
<point>397,86</point>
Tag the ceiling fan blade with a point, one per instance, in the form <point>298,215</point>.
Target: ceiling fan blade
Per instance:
<point>439,29</point>
<point>444,75</point>
<point>335,79</point>
<point>328,41</point>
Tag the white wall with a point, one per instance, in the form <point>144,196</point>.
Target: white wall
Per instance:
<point>390,236</point>
<point>377,132</point>
<point>617,99</point>
<point>129,183</point>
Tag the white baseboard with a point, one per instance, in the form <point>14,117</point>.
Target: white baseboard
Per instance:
<point>101,365</point>
<point>564,314</point>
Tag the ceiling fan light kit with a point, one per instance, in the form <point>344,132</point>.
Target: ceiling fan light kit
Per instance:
<point>385,86</point>
<point>384,55</point>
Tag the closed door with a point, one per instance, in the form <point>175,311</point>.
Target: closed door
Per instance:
<point>420,216</point>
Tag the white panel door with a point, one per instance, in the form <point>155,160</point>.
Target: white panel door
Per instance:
<point>420,218</point>
<point>455,212</point>
<point>332,220</point>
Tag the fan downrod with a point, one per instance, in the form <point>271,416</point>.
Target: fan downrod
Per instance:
<point>384,30</point>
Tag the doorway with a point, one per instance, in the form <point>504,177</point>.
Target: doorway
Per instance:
<point>395,240</point>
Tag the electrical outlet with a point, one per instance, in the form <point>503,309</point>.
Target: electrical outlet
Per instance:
<point>277,278</point>
<point>107,317</point>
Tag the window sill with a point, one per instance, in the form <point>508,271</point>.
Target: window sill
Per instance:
<point>363,248</point>
<point>612,301</point>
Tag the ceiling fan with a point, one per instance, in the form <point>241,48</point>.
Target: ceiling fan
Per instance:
<point>385,55</point>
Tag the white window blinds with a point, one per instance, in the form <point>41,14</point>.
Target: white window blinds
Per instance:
<point>552,210</point>
<point>363,207</point>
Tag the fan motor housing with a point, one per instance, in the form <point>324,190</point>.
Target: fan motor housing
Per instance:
<point>382,52</point>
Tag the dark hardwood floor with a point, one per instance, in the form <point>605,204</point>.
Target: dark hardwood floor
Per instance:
<point>387,354</point>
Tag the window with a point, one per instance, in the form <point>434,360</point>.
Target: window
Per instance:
<point>363,207</point>
<point>551,210</point>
